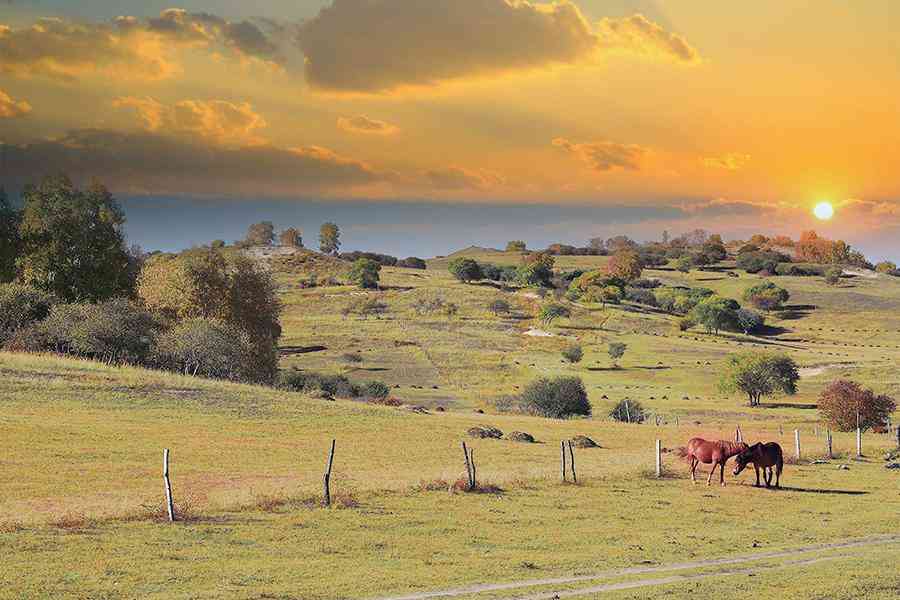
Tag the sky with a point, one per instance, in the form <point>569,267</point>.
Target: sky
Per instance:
<point>421,126</point>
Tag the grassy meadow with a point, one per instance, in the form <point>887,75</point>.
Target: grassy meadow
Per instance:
<point>82,442</point>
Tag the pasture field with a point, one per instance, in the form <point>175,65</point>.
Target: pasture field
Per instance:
<point>81,446</point>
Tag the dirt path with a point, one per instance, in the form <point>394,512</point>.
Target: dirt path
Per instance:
<point>644,570</point>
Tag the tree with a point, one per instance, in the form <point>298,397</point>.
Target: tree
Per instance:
<point>516,246</point>
<point>9,239</point>
<point>619,243</point>
<point>766,296</point>
<point>886,267</point>
<point>833,275</point>
<point>465,269</point>
<point>625,265</point>
<point>716,313</point>
<point>20,307</point>
<point>759,374</point>
<point>291,238</point>
<point>329,238</point>
<point>573,353</point>
<point>72,243</point>
<point>412,262</point>
<point>846,405</point>
<point>616,351</point>
<point>684,263</point>
<point>628,411</point>
<point>217,244</point>
<point>536,269</point>
<point>556,398</point>
<point>365,273</point>
<point>551,311</point>
<point>714,250</point>
<point>749,320</point>
<point>260,234</point>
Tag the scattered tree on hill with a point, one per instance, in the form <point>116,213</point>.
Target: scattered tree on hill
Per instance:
<point>536,269</point>
<point>412,263</point>
<point>846,405</point>
<point>551,311</point>
<point>616,351</point>
<point>207,348</point>
<point>684,263</point>
<point>217,244</point>
<point>759,261</point>
<point>749,320</point>
<point>767,296</point>
<point>625,265</point>
<point>465,269</point>
<point>556,398</point>
<point>628,411</point>
<point>619,243</point>
<point>365,273</point>
<point>713,250</point>
<point>291,238</point>
<point>329,238</point>
<point>886,267</point>
<point>573,353</point>
<point>716,313</point>
<point>516,246</point>
<point>72,243</point>
<point>833,275</point>
<point>9,239</point>
<point>759,374</point>
<point>260,234</point>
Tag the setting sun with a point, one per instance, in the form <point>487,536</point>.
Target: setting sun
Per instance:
<point>823,211</point>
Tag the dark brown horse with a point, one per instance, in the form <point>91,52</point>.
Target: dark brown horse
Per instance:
<point>768,456</point>
<point>717,453</point>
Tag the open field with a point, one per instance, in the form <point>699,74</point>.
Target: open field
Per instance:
<point>82,443</point>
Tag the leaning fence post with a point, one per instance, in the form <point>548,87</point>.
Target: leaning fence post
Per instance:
<point>562,459</point>
<point>828,449</point>
<point>474,482</point>
<point>797,443</point>
<point>468,467</point>
<point>858,443</point>
<point>572,462</point>
<point>170,506</point>
<point>658,459</point>
<point>326,479</point>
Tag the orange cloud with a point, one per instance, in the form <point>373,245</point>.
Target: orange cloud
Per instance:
<point>217,121</point>
<point>427,43</point>
<point>640,35</point>
<point>458,178</point>
<point>365,125</point>
<point>605,155</point>
<point>10,109</point>
<point>732,161</point>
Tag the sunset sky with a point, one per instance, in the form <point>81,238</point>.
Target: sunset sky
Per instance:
<point>448,122</point>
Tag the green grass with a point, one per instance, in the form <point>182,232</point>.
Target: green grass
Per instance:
<point>82,444</point>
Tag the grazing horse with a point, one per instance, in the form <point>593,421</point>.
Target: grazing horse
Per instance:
<point>768,456</point>
<point>717,453</point>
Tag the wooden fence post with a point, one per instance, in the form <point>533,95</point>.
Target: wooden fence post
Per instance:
<point>897,430</point>
<point>474,481</point>
<point>738,436</point>
<point>627,411</point>
<point>572,462</point>
<point>829,453</point>
<point>780,429</point>
<point>562,458</point>
<point>658,459</point>
<point>326,479</point>
<point>469,484</point>
<point>797,443</point>
<point>859,443</point>
<point>170,505</point>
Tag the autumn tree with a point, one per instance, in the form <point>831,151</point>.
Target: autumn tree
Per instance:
<point>515,246</point>
<point>291,238</point>
<point>536,269</point>
<point>329,238</point>
<point>261,234</point>
<point>72,244</point>
<point>846,405</point>
<point>625,264</point>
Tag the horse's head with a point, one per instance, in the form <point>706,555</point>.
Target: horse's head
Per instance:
<point>742,460</point>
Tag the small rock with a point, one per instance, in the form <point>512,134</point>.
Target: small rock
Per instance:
<point>520,436</point>
<point>892,465</point>
<point>844,467</point>
<point>820,461</point>
<point>583,441</point>
<point>440,409</point>
<point>479,411</point>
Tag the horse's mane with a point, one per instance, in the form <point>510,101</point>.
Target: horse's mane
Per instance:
<point>733,448</point>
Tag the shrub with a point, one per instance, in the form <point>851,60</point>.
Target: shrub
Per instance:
<point>385,260</point>
<point>886,266</point>
<point>556,398</point>
<point>756,262</point>
<point>536,269</point>
<point>640,296</point>
<point>515,246</point>
<point>685,323</point>
<point>365,273</point>
<point>310,382</point>
<point>843,402</point>
<point>625,265</point>
<point>365,307</point>
<point>551,311</point>
<point>833,275</point>
<point>573,353</point>
<point>716,313</point>
<point>499,307</point>
<point>646,284</point>
<point>351,357</point>
<point>20,307</point>
<point>412,263</point>
<point>628,411</point>
<point>207,348</point>
<point>375,389</point>
<point>767,296</point>
<point>465,269</point>
<point>684,263</point>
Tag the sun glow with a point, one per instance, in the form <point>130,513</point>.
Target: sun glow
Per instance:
<point>823,211</point>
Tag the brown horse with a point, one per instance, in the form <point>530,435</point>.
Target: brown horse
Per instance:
<point>768,456</point>
<point>717,453</point>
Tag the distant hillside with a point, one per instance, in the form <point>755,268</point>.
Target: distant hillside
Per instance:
<point>299,261</point>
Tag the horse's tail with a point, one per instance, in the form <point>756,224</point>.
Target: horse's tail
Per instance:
<point>779,462</point>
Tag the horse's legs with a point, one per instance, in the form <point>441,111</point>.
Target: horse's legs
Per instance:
<point>767,472</point>
<point>711,471</point>
<point>721,473</point>
<point>755,468</point>
<point>694,462</point>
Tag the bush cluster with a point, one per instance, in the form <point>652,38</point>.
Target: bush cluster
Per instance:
<point>556,398</point>
<point>337,386</point>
